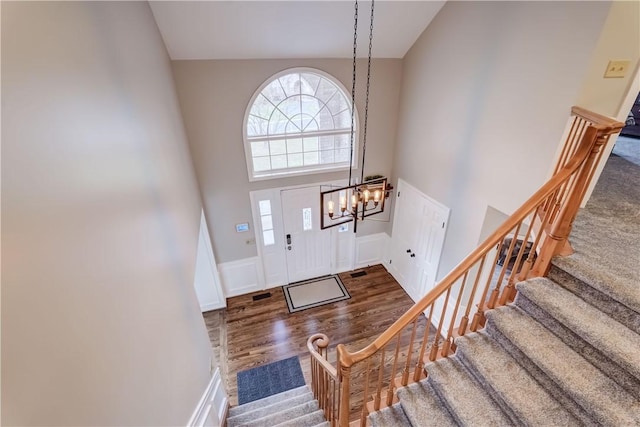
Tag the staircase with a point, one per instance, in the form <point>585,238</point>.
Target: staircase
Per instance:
<point>292,408</point>
<point>576,365</point>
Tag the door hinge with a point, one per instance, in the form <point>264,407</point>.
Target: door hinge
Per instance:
<point>398,194</point>
<point>443,225</point>
<point>390,261</point>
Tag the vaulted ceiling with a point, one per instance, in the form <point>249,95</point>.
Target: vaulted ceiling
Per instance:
<point>288,29</point>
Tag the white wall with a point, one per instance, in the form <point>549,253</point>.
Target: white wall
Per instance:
<point>100,216</point>
<point>214,96</point>
<point>486,92</point>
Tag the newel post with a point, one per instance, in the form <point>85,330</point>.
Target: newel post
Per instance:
<point>564,222</point>
<point>344,378</point>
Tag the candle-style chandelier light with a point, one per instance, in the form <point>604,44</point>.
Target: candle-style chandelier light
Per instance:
<point>359,199</point>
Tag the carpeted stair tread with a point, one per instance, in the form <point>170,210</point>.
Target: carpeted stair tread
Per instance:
<point>263,411</point>
<point>391,416</point>
<point>593,296</point>
<point>423,407</point>
<point>622,289</point>
<point>597,394</point>
<point>250,406</point>
<point>290,414</point>
<point>465,399</point>
<point>520,395</point>
<point>620,344</point>
<point>308,420</point>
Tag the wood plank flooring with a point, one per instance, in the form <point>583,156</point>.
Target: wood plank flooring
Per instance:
<point>263,331</point>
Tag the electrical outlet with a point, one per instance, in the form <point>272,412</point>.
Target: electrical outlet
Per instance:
<point>616,69</point>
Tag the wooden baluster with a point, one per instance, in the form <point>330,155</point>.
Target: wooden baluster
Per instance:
<point>436,342</point>
<point>405,373</point>
<point>566,146</point>
<point>417,374</point>
<point>377,398</point>
<point>465,319</point>
<point>393,371</point>
<point>478,318</point>
<point>447,344</point>
<point>363,415</point>
<point>344,364</point>
<point>496,291</point>
<point>509,291</point>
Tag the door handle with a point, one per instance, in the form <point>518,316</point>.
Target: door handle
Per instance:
<point>408,251</point>
<point>413,255</point>
<point>288,239</point>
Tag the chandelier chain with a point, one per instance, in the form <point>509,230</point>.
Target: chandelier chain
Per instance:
<point>353,86</point>
<point>366,105</point>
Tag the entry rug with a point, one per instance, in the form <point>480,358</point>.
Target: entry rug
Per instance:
<point>314,293</point>
<point>267,380</point>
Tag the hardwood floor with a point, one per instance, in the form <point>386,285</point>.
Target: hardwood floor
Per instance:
<point>263,331</point>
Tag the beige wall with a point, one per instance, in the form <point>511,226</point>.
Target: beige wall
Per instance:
<point>214,96</point>
<point>486,92</point>
<point>100,216</point>
<point>620,40</point>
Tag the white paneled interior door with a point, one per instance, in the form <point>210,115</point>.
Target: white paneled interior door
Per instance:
<point>307,247</point>
<point>419,228</point>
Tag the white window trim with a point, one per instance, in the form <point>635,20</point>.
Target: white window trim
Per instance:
<point>303,170</point>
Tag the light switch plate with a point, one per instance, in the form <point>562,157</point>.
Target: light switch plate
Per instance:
<point>616,69</point>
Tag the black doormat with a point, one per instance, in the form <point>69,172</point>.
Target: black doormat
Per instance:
<point>267,380</point>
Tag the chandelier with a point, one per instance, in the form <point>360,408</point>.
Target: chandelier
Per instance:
<point>363,198</point>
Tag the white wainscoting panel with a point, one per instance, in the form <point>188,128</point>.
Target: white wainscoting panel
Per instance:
<point>212,406</point>
<point>371,249</point>
<point>241,277</point>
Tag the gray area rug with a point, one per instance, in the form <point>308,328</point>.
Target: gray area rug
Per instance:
<point>314,293</point>
<point>270,379</point>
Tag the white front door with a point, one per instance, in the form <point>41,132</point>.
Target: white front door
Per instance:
<point>307,248</point>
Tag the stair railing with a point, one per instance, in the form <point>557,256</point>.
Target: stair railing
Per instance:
<point>324,378</point>
<point>522,247</point>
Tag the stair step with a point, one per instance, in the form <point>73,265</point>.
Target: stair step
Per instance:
<point>423,407</point>
<point>607,344</point>
<point>281,405</point>
<point>623,290</point>
<point>545,355</point>
<point>604,302</point>
<point>290,414</point>
<point>270,400</point>
<point>392,416</point>
<point>311,419</point>
<point>509,384</point>
<point>466,400</point>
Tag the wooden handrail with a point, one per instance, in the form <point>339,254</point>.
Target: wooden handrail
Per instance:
<point>322,341</point>
<point>598,121</point>
<point>545,219</point>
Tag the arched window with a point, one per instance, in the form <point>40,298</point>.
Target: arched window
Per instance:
<point>298,122</point>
